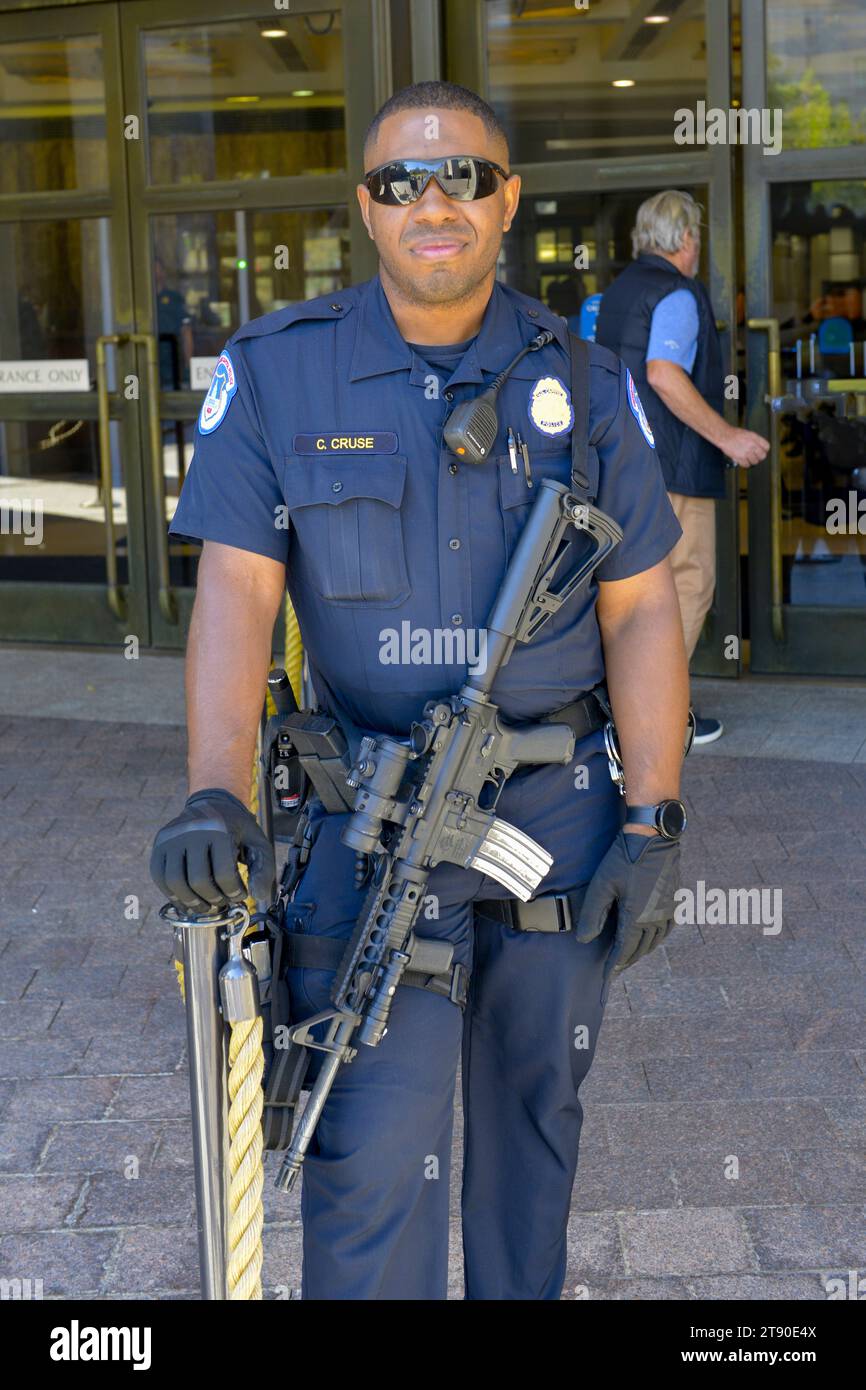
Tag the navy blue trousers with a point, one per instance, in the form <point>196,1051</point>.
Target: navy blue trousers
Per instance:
<point>375,1200</point>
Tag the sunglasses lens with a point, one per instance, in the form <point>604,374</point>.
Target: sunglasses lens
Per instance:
<point>464,179</point>
<point>467,179</point>
<point>398,184</point>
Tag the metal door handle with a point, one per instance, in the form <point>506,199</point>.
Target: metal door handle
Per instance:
<point>774,381</point>
<point>114,593</point>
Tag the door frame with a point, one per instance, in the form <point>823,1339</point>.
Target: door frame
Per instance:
<point>711,168</point>
<point>803,640</point>
<point>63,612</point>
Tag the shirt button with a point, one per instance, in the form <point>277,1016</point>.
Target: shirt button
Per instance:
<point>336,487</point>
<point>336,308</point>
<point>452,468</point>
<point>449,395</point>
<point>454,543</point>
<point>456,619</point>
<point>533,313</point>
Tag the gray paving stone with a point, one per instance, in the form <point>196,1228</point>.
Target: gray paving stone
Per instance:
<point>110,1055</point>
<point>152,1098</point>
<point>759,1288</point>
<point>829,1173</point>
<point>36,1203</point>
<point>89,1018</point>
<point>635,1290</point>
<point>738,1077</point>
<point>69,1098</point>
<point>848,1118</point>
<point>27,1018</point>
<point>711,1241</point>
<point>153,1198</point>
<point>155,1259</point>
<point>660,1127</point>
<point>764,1177</point>
<point>806,1237</point>
<point>78,982</point>
<point>67,1262</point>
<point>99,1146</point>
<point>25,1057</point>
<point>593,1248</point>
<point>21,1145</point>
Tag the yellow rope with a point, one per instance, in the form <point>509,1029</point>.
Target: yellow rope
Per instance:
<point>294,651</point>
<point>246,1174</point>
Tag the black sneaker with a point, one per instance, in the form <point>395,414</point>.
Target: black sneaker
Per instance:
<point>708,730</point>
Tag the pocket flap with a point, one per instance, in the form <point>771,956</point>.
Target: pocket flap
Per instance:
<point>312,482</point>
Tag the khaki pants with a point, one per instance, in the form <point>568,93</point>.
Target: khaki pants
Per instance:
<point>693,561</point>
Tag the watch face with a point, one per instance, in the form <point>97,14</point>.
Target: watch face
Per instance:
<point>672,819</point>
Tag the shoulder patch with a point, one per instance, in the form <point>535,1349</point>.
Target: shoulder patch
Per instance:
<point>550,408</point>
<point>223,385</point>
<point>638,411</point>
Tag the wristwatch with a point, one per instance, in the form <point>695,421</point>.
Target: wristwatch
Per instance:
<point>668,819</point>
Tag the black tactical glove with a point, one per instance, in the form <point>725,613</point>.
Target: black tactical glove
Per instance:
<point>639,875</point>
<point>194,860</point>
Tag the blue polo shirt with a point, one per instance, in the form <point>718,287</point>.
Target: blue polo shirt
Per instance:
<point>320,444</point>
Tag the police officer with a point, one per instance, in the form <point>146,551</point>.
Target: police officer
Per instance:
<point>320,461</point>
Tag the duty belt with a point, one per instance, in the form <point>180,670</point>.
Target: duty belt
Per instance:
<point>557,912</point>
<point>326,953</point>
<point>584,715</point>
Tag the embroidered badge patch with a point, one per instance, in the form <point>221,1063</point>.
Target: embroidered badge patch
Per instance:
<point>223,385</point>
<point>638,411</point>
<point>550,407</point>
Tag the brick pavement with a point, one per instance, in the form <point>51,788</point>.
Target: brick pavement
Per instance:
<point>725,1044</point>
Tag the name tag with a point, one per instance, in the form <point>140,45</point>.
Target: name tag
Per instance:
<point>385,443</point>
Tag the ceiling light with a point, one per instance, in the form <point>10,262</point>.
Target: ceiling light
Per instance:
<point>657,19</point>
<point>304,92</point>
<point>275,33</point>
<point>242,100</point>
<point>623,82</point>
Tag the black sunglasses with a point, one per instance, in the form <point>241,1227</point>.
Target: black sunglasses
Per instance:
<point>460,176</point>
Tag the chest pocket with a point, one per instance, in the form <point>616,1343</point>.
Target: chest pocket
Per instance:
<point>516,497</point>
<point>345,513</point>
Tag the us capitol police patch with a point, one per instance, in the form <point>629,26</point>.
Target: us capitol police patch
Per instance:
<point>550,408</point>
<point>223,385</point>
<point>638,411</point>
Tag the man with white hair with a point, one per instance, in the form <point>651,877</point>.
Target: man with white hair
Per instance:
<point>657,316</point>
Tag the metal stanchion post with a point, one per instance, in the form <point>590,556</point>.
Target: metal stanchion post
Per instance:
<point>204,944</point>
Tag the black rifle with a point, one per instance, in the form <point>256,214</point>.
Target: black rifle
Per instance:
<point>434,794</point>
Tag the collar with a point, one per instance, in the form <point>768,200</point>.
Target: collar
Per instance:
<point>650,258</point>
<point>511,320</point>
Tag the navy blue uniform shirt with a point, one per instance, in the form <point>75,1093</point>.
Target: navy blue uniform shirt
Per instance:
<point>320,445</point>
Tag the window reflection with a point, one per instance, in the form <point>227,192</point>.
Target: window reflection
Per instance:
<point>55,290</point>
<point>246,98</point>
<point>815,71</point>
<point>215,271</point>
<point>819,278</point>
<point>52,115</point>
<point>552,70</point>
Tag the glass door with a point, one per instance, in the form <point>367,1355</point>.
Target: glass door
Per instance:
<point>589,97</point>
<point>242,202</point>
<point>72,558</point>
<point>805,229</point>
<point>167,175</point>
